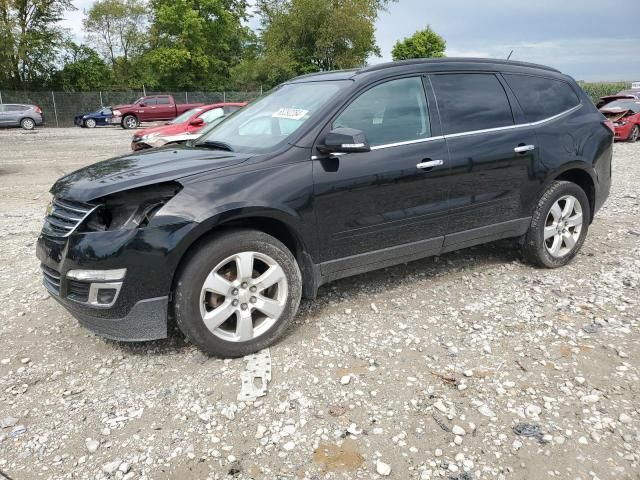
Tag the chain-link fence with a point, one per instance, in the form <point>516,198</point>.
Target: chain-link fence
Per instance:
<point>60,108</point>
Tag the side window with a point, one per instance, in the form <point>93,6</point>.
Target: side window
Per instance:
<point>2,108</point>
<point>541,98</point>
<point>395,111</point>
<point>163,101</point>
<point>210,115</point>
<point>150,101</point>
<point>17,108</point>
<point>471,101</point>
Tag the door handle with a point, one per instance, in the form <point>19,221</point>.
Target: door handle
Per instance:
<point>524,148</point>
<point>430,164</point>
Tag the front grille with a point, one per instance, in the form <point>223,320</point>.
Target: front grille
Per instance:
<point>78,291</point>
<point>64,216</point>
<point>51,279</point>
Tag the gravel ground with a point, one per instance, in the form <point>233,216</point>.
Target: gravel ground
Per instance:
<point>426,370</point>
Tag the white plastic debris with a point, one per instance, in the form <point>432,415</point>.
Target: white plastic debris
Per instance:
<point>256,376</point>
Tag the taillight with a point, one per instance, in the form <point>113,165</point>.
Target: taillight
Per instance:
<point>38,109</point>
<point>609,124</point>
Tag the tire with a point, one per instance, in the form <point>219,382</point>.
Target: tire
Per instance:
<point>235,298</point>
<point>635,134</point>
<point>550,218</point>
<point>27,123</point>
<point>90,123</point>
<point>129,122</point>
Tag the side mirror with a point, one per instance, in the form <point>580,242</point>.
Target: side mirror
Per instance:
<point>344,140</point>
<point>142,104</point>
<point>196,122</point>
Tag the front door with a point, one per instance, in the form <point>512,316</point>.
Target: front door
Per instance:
<point>390,202</point>
<point>491,158</point>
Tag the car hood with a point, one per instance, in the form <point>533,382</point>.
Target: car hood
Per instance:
<point>164,130</point>
<point>141,169</point>
<point>615,114</point>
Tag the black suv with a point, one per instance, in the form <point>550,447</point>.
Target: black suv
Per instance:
<point>329,175</point>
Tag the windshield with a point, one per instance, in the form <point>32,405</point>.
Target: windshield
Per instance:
<point>633,105</point>
<point>271,120</point>
<point>185,116</point>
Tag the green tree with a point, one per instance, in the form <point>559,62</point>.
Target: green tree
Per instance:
<point>83,70</point>
<point>30,36</point>
<point>196,43</point>
<point>118,28</point>
<point>422,44</point>
<point>302,36</point>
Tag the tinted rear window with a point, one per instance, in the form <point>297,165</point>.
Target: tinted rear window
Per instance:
<point>471,101</point>
<point>541,98</point>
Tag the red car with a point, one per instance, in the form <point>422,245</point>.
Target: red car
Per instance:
<point>625,115</point>
<point>149,109</point>
<point>190,122</point>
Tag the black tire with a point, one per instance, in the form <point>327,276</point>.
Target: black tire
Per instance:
<point>27,123</point>
<point>90,123</point>
<point>535,247</point>
<point>130,122</point>
<point>635,134</point>
<point>201,262</point>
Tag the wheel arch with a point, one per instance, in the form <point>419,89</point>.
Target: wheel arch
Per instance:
<point>581,175</point>
<point>274,223</point>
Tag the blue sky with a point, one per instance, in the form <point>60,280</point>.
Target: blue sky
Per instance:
<point>588,39</point>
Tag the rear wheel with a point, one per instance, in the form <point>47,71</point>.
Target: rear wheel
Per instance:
<point>90,123</point>
<point>635,134</point>
<point>238,293</point>
<point>129,122</point>
<point>27,123</point>
<point>559,225</point>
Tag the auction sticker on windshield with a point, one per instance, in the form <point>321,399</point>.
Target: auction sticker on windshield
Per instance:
<point>290,113</point>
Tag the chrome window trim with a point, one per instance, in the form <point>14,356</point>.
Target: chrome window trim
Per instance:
<point>464,134</point>
<point>408,142</point>
<point>516,126</point>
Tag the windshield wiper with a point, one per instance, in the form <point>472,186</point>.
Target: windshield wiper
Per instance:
<point>215,145</point>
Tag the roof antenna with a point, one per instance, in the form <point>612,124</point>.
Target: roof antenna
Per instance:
<point>509,56</point>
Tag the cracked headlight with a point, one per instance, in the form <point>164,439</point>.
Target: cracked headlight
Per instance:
<point>130,209</point>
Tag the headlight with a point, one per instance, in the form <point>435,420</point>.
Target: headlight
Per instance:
<point>116,113</point>
<point>130,209</point>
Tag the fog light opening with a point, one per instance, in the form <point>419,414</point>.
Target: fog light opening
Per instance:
<point>106,296</point>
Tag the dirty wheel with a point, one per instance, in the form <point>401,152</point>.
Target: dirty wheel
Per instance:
<point>238,293</point>
<point>559,225</point>
<point>635,134</point>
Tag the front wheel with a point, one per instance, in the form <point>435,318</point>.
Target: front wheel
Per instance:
<point>238,293</point>
<point>129,122</point>
<point>635,134</point>
<point>90,123</point>
<point>559,225</point>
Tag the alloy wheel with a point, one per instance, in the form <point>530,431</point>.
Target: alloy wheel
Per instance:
<point>90,123</point>
<point>635,134</point>
<point>131,122</point>
<point>28,124</point>
<point>243,296</point>
<point>563,226</point>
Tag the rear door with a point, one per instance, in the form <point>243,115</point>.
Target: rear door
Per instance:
<point>376,206</point>
<point>165,109</point>
<point>491,159</point>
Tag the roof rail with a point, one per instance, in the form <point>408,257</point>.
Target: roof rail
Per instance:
<point>435,61</point>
